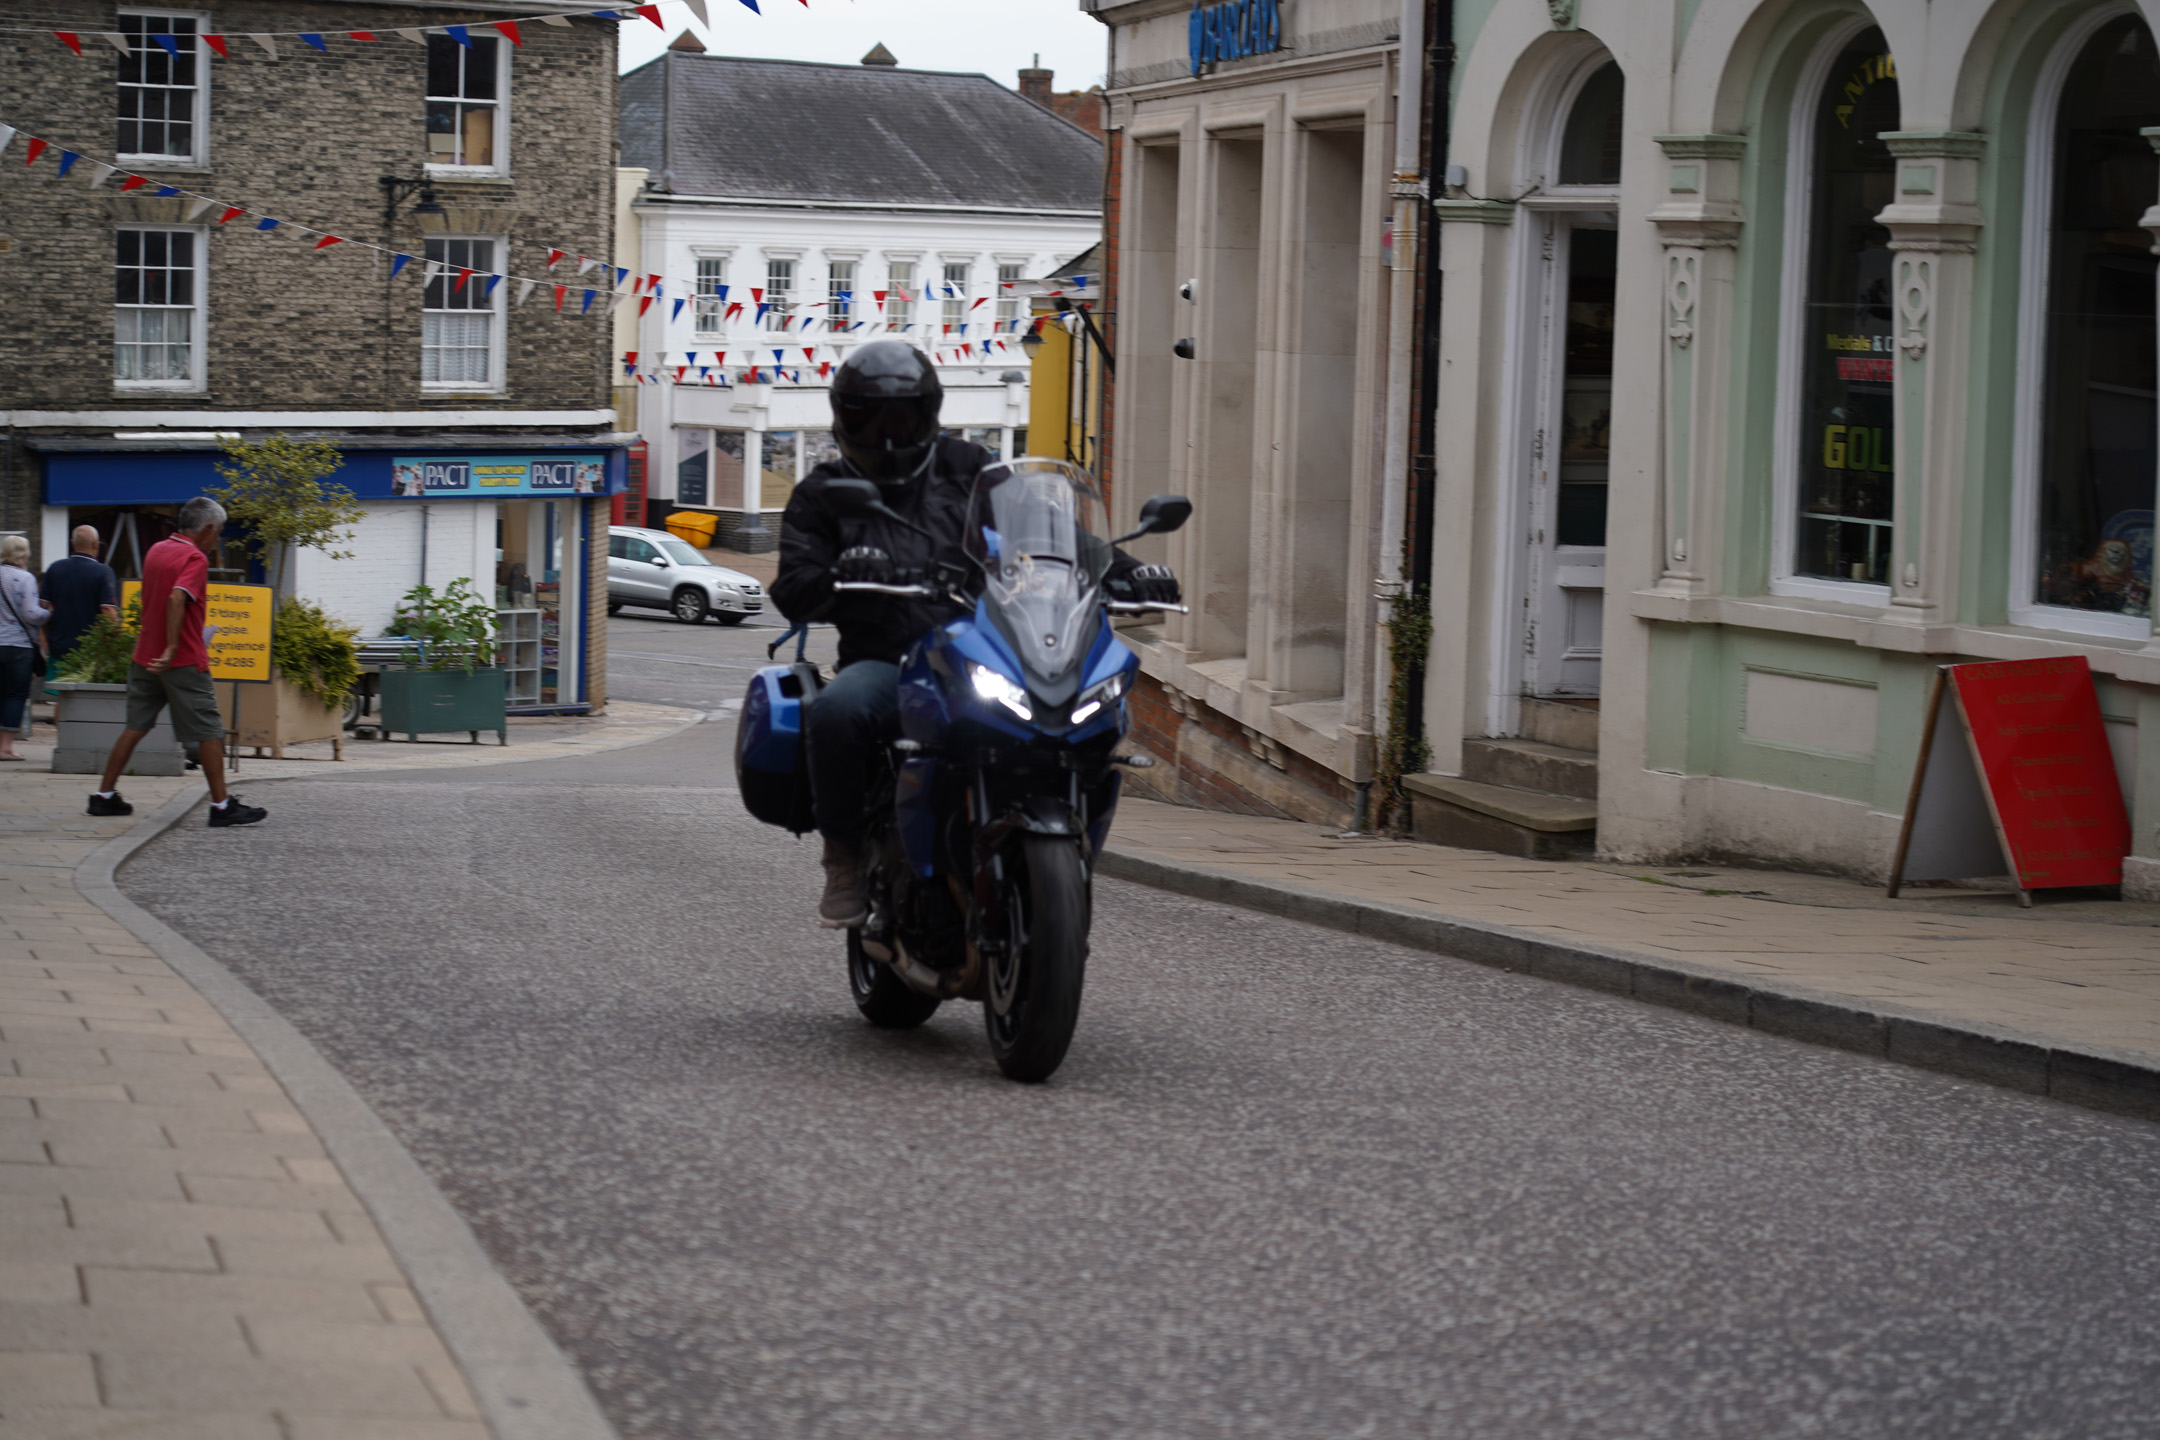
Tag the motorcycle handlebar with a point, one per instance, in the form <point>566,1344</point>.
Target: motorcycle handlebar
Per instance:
<point>1143,607</point>
<point>926,592</point>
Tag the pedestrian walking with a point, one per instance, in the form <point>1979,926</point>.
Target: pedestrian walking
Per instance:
<point>171,665</point>
<point>22,626</point>
<point>79,588</point>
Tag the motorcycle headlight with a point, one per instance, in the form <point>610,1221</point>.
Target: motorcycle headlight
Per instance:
<point>992,686</point>
<point>1096,696</point>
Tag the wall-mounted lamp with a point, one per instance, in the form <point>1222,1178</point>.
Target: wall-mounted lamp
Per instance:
<point>396,192</point>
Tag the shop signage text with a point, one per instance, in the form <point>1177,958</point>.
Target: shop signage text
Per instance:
<point>236,628</point>
<point>1234,29</point>
<point>493,477</point>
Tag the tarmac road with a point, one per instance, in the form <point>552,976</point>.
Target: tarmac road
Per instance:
<point>1289,1184</point>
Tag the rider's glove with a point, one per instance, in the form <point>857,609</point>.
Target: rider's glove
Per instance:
<point>865,563</point>
<point>1145,585</point>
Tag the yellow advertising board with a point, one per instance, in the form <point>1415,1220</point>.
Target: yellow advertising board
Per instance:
<point>236,626</point>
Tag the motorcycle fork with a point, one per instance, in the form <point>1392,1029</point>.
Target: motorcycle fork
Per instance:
<point>987,916</point>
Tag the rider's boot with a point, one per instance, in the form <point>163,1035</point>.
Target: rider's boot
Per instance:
<point>845,904</point>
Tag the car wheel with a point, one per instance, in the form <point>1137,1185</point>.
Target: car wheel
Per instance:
<point>689,605</point>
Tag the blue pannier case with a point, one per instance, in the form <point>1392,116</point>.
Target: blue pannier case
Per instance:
<point>771,767</point>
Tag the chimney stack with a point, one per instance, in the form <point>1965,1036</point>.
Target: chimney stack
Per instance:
<point>880,56</point>
<point>1035,83</point>
<point>688,43</point>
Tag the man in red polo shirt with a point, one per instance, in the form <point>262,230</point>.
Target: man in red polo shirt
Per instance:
<point>172,665</point>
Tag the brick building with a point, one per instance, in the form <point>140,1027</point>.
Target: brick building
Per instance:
<point>150,310</point>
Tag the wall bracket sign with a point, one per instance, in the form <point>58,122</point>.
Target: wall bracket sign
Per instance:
<point>2014,779</point>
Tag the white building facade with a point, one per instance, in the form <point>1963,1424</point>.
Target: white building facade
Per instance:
<point>785,263</point>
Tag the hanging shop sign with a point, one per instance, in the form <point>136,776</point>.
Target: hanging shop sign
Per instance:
<point>2014,778</point>
<point>236,628</point>
<point>495,477</point>
<point>1234,29</point>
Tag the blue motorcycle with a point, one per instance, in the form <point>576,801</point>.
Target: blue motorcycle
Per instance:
<point>1005,777</point>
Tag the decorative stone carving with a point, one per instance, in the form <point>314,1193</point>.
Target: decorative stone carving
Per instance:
<point>1563,13</point>
<point>1915,297</point>
<point>1681,269</point>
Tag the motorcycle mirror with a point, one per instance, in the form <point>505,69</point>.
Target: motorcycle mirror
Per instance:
<point>1160,515</point>
<point>850,499</point>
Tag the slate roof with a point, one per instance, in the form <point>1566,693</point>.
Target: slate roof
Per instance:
<point>792,130</point>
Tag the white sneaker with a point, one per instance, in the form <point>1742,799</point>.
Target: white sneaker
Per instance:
<point>844,906</point>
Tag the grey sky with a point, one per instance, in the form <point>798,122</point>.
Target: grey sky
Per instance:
<point>996,37</point>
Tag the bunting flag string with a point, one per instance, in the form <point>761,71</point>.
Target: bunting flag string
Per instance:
<point>219,44</point>
<point>974,341</point>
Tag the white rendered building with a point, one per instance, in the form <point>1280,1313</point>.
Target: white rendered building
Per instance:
<point>782,200</point>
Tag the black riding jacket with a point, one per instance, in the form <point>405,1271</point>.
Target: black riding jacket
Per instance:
<point>876,627</point>
<point>882,627</point>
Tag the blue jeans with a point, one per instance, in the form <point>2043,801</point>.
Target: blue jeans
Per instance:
<point>15,681</point>
<point>850,719</point>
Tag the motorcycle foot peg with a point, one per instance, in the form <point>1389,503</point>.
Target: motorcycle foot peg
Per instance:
<point>1134,762</point>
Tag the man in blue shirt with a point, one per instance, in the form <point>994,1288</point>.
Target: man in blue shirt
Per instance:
<point>79,588</point>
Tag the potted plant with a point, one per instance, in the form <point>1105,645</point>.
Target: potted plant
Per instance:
<point>317,664</point>
<point>451,682</point>
<point>92,688</point>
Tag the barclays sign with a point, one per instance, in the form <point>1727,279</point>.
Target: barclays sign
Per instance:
<point>1234,29</point>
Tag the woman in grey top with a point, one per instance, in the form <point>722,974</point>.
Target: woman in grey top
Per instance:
<point>22,617</point>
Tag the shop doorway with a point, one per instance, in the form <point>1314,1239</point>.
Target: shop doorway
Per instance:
<point>1570,454</point>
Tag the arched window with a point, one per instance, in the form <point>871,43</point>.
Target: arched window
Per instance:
<point>2099,431</point>
<point>1846,344</point>
<point>1590,145</point>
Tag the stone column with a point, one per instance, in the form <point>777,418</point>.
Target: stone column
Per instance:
<point>1699,225</point>
<point>1934,223</point>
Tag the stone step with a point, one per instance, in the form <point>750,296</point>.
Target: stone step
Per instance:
<point>1572,723</point>
<point>1532,765</point>
<point>1475,816</point>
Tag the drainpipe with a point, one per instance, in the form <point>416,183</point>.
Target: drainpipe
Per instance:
<point>1409,191</point>
<point>1439,82</point>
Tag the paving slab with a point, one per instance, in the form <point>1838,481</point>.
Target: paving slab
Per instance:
<point>200,1234</point>
<point>2060,999</point>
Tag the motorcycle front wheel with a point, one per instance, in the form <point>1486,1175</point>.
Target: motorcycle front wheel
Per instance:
<point>883,997</point>
<point>1031,1002</point>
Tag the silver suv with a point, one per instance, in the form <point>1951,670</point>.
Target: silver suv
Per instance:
<point>655,569</point>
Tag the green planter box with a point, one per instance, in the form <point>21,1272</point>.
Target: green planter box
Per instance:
<point>428,702</point>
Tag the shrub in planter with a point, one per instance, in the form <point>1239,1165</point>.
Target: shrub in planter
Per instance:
<point>451,683</point>
<point>92,686</point>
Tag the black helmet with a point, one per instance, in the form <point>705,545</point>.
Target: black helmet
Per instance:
<point>885,402</point>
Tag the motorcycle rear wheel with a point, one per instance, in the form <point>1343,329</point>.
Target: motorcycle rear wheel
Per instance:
<point>1032,1000</point>
<point>883,997</point>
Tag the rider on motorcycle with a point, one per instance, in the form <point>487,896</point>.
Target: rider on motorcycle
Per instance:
<point>885,403</point>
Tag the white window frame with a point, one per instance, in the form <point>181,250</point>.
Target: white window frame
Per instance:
<point>708,315</point>
<point>495,383</point>
<point>1792,342</point>
<point>2033,281</point>
<point>1007,307</point>
<point>774,313</point>
<point>198,157</point>
<point>954,312</point>
<point>198,344</point>
<point>904,295</point>
<point>501,168</point>
<point>833,264</point>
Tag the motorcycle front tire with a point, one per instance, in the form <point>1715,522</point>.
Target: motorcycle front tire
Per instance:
<point>883,997</point>
<point>1032,1004</point>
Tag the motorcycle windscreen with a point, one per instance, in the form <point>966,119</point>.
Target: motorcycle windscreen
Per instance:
<point>1036,528</point>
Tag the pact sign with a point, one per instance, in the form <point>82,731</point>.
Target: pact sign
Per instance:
<point>494,477</point>
<point>236,628</point>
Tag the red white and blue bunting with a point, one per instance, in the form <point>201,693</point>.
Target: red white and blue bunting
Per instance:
<point>221,45</point>
<point>575,284</point>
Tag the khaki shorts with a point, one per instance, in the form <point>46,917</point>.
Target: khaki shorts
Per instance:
<point>192,697</point>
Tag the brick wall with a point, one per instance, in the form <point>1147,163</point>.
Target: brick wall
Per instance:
<point>303,138</point>
<point>596,574</point>
<point>1207,760</point>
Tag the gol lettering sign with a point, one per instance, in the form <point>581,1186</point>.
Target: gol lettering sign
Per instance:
<point>236,628</point>
<point>2028,789</point>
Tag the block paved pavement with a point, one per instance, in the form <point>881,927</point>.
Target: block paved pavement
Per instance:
<point>178,1255</point>
<point>2075,972</point>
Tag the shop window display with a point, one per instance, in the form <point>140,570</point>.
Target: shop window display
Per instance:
<point>780,459</point>
<point>727,468</point>
<point>1848,336</point>
<point>532,574</point>
<point>2098,456</point>
<point>693,472</point>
